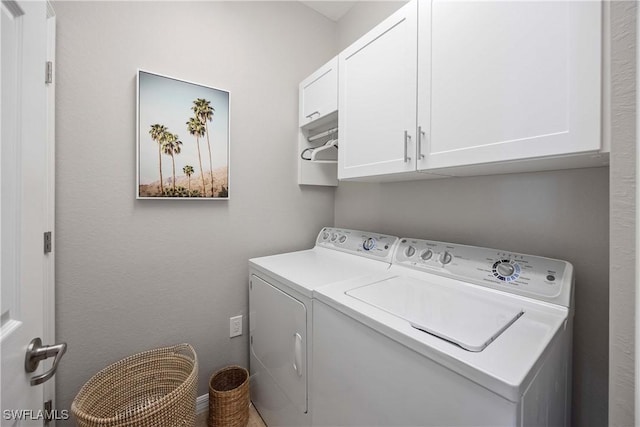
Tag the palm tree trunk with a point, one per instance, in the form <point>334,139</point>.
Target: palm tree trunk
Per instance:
<point>189,176</point>
<point>206,126</point>
<point>204,187</point>
<point>173,161</point>
<point>160,162</point>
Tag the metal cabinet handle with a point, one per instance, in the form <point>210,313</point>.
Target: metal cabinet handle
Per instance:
<point>311,115</point>
<point>420,134</point>
<point>407,138</point>
<point>37,352</point>
<point>297,354</point>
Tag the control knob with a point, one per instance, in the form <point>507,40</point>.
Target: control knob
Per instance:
<point>410,251</point>
<point>342,239</point>
<point>369,244</point>
<point>505,269</point>
<point>426,254</point>
<point>445,258</point>
<point>334,236</point>
<point>325,235</point>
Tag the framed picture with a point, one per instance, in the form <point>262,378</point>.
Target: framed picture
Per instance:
<point>182,139</point>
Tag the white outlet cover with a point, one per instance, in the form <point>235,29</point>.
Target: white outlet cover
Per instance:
<point>235,326</point>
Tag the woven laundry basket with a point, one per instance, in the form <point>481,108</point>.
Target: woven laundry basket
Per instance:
<point>155,388</point>
<point>229,397</point>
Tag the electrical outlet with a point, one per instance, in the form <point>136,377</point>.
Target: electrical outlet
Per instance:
<point>235,326</point>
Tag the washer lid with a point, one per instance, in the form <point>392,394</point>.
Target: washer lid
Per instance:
<point>471,321</point>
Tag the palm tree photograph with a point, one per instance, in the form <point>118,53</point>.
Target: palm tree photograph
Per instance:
<point>182,139</point>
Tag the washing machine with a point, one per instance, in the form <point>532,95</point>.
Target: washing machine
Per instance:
<point>448,335</point>
<point>280,304</point>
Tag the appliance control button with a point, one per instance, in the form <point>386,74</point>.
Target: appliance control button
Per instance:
<point>445,258</point>
<point>369,244</point>
<point>505,269</point>
<point>426,254</point>
<point>551,277</point>
<point>342,239</point>
<point>325,235</point>
<point>334,236</point>
<point>410,251</point>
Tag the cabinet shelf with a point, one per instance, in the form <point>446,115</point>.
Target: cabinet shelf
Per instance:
<point>328,162</point>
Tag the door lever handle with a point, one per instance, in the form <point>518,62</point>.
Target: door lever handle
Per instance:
<point>37,352</point>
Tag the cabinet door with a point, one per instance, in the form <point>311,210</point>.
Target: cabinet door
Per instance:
<point>511,80</point>
<point>377,99</point>
<point>319,93</point>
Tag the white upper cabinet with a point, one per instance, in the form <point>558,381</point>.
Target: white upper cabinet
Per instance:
<point>319,93</point>
<point>508,80</point>
<point>377,99</point>
<point>477,87</point>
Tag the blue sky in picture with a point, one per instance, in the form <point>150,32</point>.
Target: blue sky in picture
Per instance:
<point>168,102</point>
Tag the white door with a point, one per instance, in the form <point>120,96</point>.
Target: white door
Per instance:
<point>512,80</point>
<point>26,209</point>
<point>377,99</point>
<point>279,342</point>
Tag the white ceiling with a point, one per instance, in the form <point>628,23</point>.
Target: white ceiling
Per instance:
<point>333,10</point>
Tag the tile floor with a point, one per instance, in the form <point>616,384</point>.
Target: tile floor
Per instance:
<point>254,419</point>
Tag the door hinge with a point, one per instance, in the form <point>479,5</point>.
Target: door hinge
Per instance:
<point>47,242</point>
<point>48,77</point>
<point>48,412</point>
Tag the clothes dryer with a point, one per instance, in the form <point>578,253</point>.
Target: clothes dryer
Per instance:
<point>449,335</point>
<point>281,336</point>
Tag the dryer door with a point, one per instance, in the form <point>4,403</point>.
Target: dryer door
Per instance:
<point>279,339</point>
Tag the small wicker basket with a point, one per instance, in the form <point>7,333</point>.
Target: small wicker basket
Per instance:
<point>229,397</point>
<point>155,388</point>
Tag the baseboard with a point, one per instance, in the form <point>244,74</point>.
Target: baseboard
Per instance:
<point>202,404</point>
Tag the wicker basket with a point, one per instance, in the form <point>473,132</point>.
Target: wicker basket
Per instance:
<point>156,388</point>
<point>229,397</point>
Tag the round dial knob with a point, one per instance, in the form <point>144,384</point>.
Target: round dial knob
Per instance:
<point>369,244</point>
<point>325,235</point>
<point>426,254</point>
<point>334,236</point>
<point>445,258</point>
<point>342,239</point>
<point>505,269</point>
<point>410,251</point>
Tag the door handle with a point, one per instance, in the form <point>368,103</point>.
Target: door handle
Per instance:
<point>297,354</point>
<point>420,134</point>
<point>407,138</point>
<point>37,352</point>
<point>309,116</point>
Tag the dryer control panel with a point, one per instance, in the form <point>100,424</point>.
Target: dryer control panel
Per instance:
<point>364,243</point>
<point>536,277</point>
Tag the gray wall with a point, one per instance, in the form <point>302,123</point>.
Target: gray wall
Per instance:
<point>563,214</point>
<point>623,210</point>
<point>132,275</point>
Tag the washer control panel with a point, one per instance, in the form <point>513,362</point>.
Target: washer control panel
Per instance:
<point>364,243</point>
<point>532,276</point>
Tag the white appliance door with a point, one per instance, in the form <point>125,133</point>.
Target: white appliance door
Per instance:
<point>470,320</point>
<point>279,339</point>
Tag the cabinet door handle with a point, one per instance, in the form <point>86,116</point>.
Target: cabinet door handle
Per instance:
<point>420,134</point>
<point>407,138</point>
<point>312,114</point>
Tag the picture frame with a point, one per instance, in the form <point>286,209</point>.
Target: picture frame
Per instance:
<point>182,139</point>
